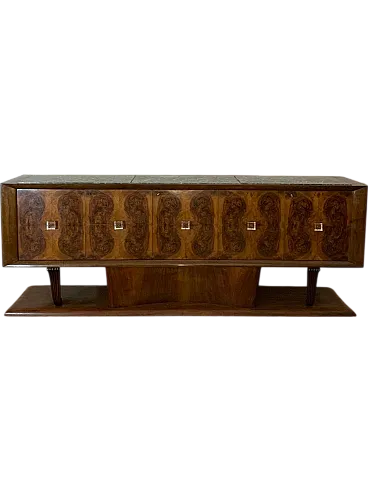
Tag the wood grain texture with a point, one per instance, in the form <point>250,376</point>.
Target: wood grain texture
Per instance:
<point>93,301</point>
<point>312,277</point>
<point>201,209</point>
<point>301,213</point>
<point>358,227</point>
<point>232,239</point>
<point>335,210</point>
<point>54,274</point>
<point>35,208</point>
<point>167,215</point>
<point>235,287</point>
<point>264,263</point>
<point>71,241</point>
<point>266,209</point>
<point>134,209</point>
<point>9,226</point>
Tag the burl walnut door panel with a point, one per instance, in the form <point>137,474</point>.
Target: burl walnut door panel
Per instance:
<point>250,225</point>
<point>185,224</point>
<point>335,214</point>
<point>302,215</point>
<point>119,224</point>
<point>50,224</point>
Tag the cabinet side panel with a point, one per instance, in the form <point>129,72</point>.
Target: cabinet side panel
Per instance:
<point>9,227</point>
<point>358,226</point>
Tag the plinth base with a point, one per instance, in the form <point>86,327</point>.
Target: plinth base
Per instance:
<point>93,301</point>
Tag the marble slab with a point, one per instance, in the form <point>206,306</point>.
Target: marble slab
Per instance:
<point>299,180</point>
<point>71,179</point>
<point>185,179</point>
<point>105,179</point>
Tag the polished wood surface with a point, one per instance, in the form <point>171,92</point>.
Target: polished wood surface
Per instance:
<point>64,210</point>
<point>93,301</point>
<point>9,225</point>
<point>119,224</point>
<point>301,213</point>
<point>259,263</point>
<point>99,226</point>
<point>54,274</point>
<point>358,227</point>
<point>236,287</point>
<point>312,277</point>
<point>335,212</point>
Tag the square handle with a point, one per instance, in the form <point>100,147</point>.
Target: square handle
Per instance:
<point>318,227</point>
<point>119,225</point>
<point>251,225</point>
<point>51,225</point>
<point>185,225</point>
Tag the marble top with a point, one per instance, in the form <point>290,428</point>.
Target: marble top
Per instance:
<point>184,180</point>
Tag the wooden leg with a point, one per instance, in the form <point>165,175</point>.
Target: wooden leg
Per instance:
<point>312,285</point>
<point>54,274</point>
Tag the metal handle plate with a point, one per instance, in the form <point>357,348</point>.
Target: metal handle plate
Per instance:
<point>251,225</point>
<point>119,225</point>
<point>185,225</point>
<point>318,227</point>
<point>51,225</point>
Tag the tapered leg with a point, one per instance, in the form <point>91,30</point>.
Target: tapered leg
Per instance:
<point>54,274</point>
<point>312,285</point>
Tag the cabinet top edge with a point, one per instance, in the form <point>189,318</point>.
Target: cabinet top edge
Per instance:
<point>183,181</point>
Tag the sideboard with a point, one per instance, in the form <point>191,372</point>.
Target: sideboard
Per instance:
<point>182,245</point>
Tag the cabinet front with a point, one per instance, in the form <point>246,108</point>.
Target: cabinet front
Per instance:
<point>185,224</point>
<point>119,224</point>
<point>318,225</point>
<point>50,225</point>
<point>335,210</point>
<point>250,225</point>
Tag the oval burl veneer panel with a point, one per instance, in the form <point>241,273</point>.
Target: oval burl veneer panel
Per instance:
<point>269,206</point>
<point>101,206</point>
<point>167,236</point>
<point>202,210</point>
<point>137,210</point>
<point>233,212</point>
<point>31,207</point>
<point>299,233</point>
<point>335,241</point>
<point>71,239</point>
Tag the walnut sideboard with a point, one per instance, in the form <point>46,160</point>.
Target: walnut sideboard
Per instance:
<point>182,245</point>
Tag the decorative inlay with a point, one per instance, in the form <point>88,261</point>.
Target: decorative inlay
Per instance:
<point>233,240</point>
<point>335,236</point>
<point>137,240</point>
<point>168,240</point>
<point>269,206</point>
<point>201,206</point>
<point>101,207</point>
<point>70,241</point>
<point>32,240</point>
<point>299,240</point>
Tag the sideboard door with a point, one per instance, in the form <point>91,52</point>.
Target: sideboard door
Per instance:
<point>201,239</point>
<point>232,238</point>
<point>50,224</point>
<point>335,214</point>
<point>119,224</point>
<point>264,225</point>
<point>302,218</point>
<point>168,217</point>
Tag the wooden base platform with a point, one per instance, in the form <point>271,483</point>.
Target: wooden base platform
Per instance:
<point>93,301</point>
